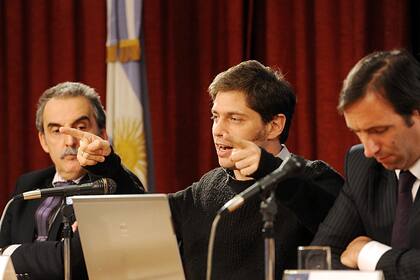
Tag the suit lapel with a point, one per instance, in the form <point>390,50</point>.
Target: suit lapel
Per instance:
<point>381,202</point>
<point>29,220</point>
<point>32,206</point>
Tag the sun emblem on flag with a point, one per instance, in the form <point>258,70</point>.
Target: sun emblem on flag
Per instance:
<point>130,144</point>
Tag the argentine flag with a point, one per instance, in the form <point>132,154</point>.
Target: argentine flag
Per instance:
<point>125,86</point>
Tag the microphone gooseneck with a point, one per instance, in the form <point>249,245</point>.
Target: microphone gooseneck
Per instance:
<point>290,167</point>
<point>100,186</point>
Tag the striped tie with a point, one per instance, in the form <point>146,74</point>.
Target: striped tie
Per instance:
<point>47,211</point>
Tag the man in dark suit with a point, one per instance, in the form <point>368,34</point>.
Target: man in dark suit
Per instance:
<point>375,222</point>
<point>71,124</point>
<point>252,111</point>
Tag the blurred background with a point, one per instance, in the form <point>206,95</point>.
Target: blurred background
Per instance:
<point>183,45</point>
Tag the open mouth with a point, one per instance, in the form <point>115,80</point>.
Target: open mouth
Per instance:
<point>223,147</point>
<point>223,150</point>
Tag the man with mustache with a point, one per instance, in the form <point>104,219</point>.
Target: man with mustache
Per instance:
<point>375,222</point>
<point>71,128</point>
<point>252,111</point>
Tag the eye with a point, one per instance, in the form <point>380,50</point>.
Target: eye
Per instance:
<point>235,119</point>
<point>55,130</point>
<point>81,127</point>
<point>378,130</point>
<point>214,118</point>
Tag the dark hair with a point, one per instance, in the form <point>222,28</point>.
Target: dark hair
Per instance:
<point>395,75</point>
<point>266,91</point>
<point>71,89</point>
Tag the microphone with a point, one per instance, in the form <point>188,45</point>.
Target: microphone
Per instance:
<point>100,186</point>
<point>290,167</point>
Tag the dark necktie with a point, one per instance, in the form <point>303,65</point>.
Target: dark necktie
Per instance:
<point>47,211</point>
<point>405,201</point>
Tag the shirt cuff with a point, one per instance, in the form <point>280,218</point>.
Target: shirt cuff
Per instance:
<point>370,254</point>
<point>10,249</point>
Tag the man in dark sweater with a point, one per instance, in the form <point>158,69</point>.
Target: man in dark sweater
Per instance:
<point>252,112</point>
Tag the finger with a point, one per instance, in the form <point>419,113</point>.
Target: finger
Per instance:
<point>95,145</point>
<point>96,158</point>
<point>240,154</point>
<point>246,162</point>
<point>83,144</point>
<point>86,155</point>
<point>99,147</point>
<point>88,162</point>
<point>346,259</point>
<point>237,142</point>
<point>248,170</point>
<point>76,133</point>
<point>362,238</point>
<point>81,151</point>
<point>247,166</point>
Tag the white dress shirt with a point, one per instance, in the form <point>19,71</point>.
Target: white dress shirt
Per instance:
<point>371,253</point>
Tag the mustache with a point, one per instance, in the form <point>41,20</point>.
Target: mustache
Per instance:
<point>69,151</point>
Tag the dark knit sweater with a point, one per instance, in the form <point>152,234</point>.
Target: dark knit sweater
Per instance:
<point>239,246</point>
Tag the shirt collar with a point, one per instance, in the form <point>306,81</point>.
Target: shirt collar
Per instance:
<point>57,178</point>
<point>284,152</point>
<point>414,169</point>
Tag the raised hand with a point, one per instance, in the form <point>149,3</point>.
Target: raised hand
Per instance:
<point>92,148</point>
<point>245,155</point>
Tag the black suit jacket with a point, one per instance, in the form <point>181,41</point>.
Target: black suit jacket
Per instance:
<point>44,260</point>
<point>367,206</point>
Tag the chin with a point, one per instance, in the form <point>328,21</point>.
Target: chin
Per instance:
<point>74,173</point>
<point>393,166</point>
<point>388,167</point>
<point>226,163</point>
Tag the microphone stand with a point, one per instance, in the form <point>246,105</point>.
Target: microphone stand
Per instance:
<point>268,209</point>
<point>67,233</point>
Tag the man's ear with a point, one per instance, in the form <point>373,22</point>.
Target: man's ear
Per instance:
<point>415,116</point>
<point>276,126</point>
<point>43,142</point>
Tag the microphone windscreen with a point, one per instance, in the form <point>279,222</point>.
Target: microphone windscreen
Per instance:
<point>110,186</point>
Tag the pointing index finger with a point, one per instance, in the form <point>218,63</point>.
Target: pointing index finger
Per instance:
<point>76,133</point>
<point>237,142</point>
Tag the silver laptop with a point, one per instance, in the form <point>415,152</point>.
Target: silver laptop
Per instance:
<point>128,237</point>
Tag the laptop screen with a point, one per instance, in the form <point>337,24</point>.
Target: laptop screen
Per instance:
<point>128,237</point>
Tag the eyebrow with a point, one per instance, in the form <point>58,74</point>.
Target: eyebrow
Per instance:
<point>82,118</point>
<point>229,113</point>
<point>370,128</point>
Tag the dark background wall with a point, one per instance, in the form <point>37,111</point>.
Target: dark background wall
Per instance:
<point>187,42</point>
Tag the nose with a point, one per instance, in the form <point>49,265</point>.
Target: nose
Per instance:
<point>70,141</point>
<point>371,147</point>
<point>218,127</point>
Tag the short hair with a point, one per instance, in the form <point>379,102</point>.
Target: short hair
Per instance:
<point>266,91</point>
<point>71,89</point>
<point>395,75</point>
